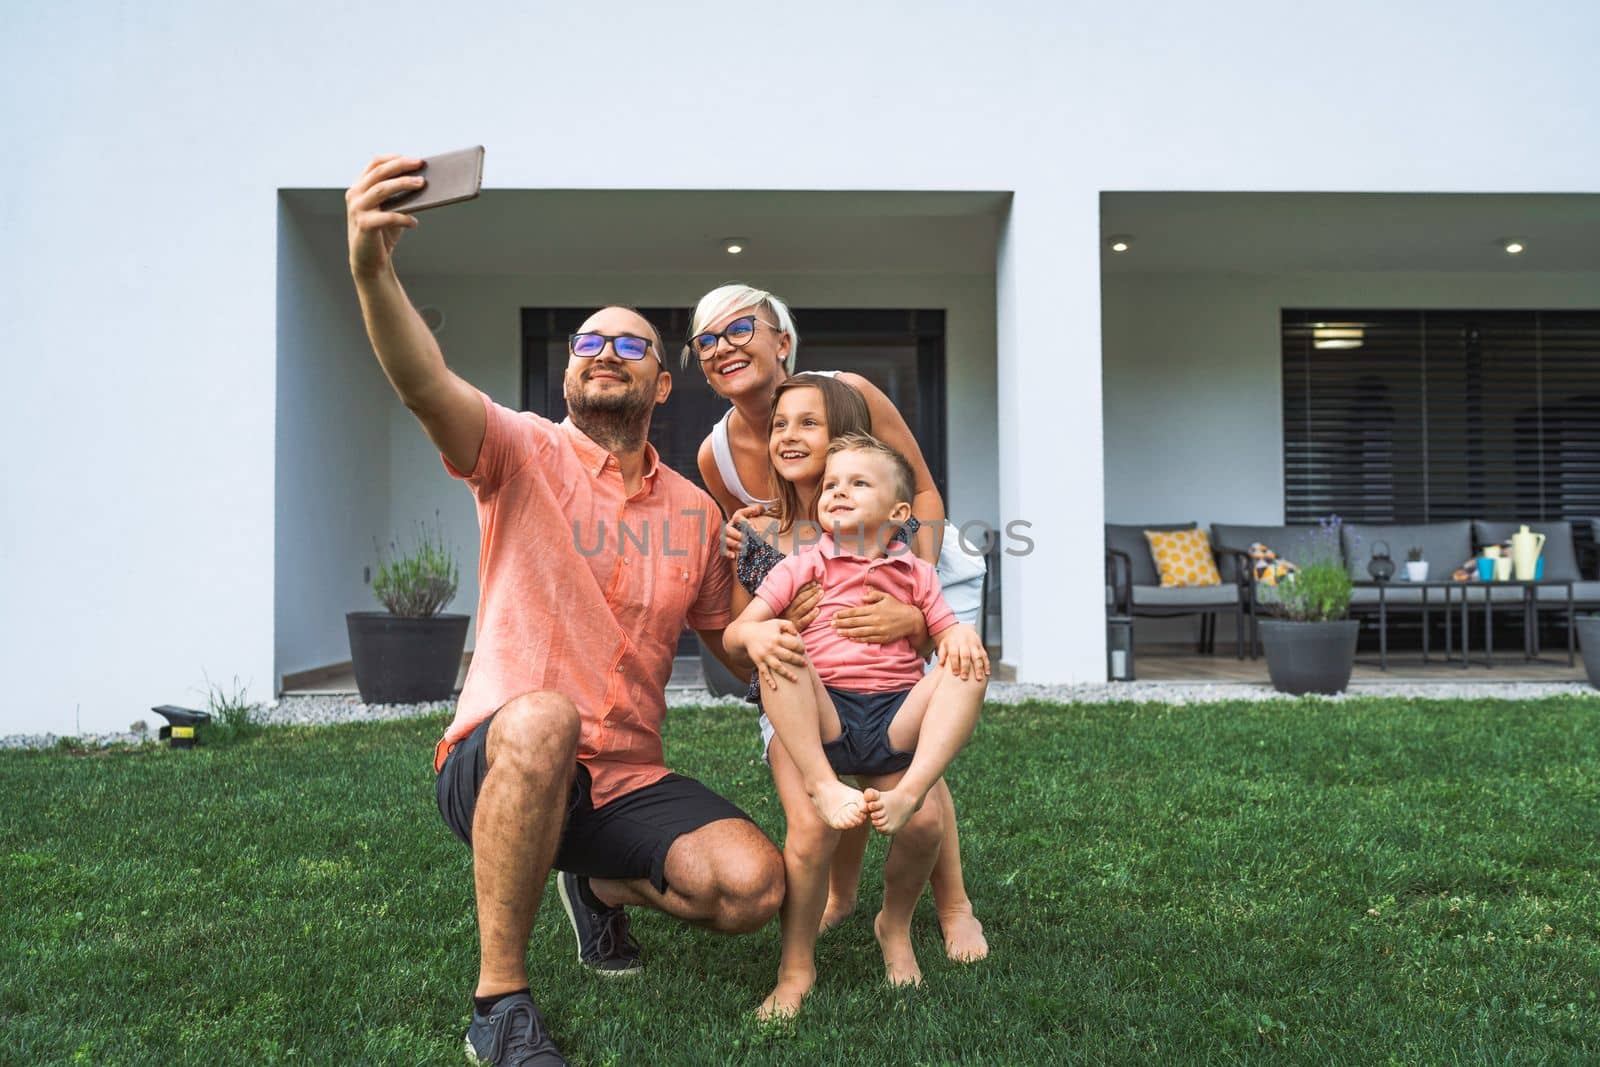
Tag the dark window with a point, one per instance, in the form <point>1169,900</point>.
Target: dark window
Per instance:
<point>901,352</point>
<point>1423,416</point>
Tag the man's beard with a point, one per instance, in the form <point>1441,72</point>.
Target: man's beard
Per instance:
<point>616,420</point>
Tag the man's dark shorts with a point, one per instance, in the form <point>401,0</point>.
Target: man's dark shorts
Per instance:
<point>627,838</point>
<point>862,746</point>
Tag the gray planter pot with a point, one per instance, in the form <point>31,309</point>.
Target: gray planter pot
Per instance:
<point>405,661</point>
<point>1589,642</point>
<point>1310,657</point>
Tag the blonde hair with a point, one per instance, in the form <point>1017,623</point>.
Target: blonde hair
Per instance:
<point>847,414</point>
<point>733,296</point>
<point>905,482</point>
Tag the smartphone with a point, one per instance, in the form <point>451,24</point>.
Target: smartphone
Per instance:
<point>451,178</point>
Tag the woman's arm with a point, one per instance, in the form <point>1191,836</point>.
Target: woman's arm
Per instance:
<point>706,460</point>
<point>890,427</point>
<point>880,618</point>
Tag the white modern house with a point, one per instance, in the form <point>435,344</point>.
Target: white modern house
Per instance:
<point>202,456</point>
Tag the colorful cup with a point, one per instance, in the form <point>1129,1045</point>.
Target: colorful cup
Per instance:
<point>1486,568</point>
<point>1538,569</point>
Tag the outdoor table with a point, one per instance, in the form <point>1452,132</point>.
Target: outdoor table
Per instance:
<point>1383,616</point>
<point>1530,615</point>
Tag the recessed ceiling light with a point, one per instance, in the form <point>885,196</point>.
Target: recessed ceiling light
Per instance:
<point>1514,246</point>
<point>1337,335</point>
<point>734,245</point>
<point>1119,242</point>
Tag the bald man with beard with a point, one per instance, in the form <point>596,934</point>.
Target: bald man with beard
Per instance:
<point>594,556</point>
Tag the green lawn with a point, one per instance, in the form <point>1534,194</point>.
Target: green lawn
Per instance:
<point>1363,882</point>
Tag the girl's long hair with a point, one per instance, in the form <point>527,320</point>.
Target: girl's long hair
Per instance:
<point>846,411</point>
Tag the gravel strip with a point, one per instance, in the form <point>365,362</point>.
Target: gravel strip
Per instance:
<point>325,709</point>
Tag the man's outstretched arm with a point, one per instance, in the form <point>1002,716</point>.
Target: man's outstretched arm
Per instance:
<point>450,410</point>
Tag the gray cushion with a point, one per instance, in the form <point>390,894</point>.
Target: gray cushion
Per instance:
<point>1560,558</point>
<point>1502,594</point>
<point>1445,545</point>
<point>1583,593</point>
<point>1129,538</point>
<point>1297,544</point>
<point>1201,596</point>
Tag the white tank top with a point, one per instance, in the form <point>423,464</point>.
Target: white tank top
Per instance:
<point>722,450</point>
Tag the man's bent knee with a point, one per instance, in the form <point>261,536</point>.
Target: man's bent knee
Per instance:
<point>742,889</point>
<point>537,731</point>
<point>750,892</point>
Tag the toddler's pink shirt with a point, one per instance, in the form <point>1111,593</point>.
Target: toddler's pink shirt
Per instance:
<point>855,665</point>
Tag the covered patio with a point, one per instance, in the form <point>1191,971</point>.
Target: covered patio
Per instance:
<point>1424,367</point>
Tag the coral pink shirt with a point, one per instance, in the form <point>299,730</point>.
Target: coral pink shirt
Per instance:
<point>584,590</point>
<point>855,665</point>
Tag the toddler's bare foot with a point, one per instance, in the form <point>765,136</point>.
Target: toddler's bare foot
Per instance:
<point>963,935</point>
<point>785,999</point>
<point>838,910</point>
<point>899,959</point>
<point>890,809</point>
<point>840,805</point>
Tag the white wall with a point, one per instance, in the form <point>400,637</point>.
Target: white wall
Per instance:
<point>1194,376</point>
<point>139,279</point>
<point>332,463</point>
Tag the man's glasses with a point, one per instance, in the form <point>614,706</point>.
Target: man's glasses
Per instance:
<point>590,345</point>
<point>738,332</point>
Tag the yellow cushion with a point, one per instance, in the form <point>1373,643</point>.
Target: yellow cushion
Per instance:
<point>1183,557</point>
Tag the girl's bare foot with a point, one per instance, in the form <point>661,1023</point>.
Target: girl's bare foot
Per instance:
<point>963,934</point>
<point>899,959</point>
<point>838,910</point>
<point>786,997</point>
<point>840,805</point>
<point>890,809</point>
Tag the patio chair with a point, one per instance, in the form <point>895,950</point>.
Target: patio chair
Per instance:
<point>1134,589</point>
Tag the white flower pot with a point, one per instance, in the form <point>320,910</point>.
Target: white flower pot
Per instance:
<point>1417,571</point>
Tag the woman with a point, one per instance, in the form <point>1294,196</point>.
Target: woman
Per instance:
<point>745,342</point>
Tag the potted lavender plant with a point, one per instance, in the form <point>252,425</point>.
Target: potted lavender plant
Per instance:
<point>1311,646</point>
<point>411,652</point>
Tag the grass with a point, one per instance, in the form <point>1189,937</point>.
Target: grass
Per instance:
<point>1361,882</point>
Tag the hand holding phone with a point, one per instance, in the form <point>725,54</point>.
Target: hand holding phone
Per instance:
<point>448,178</point>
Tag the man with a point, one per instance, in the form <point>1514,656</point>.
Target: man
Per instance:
<point>594,556</point>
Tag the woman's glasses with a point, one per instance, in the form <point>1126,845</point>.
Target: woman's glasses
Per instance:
<point>626,346</point>
<point>738,332</point>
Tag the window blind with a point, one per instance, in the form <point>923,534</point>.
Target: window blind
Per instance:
<point>1425,416</point>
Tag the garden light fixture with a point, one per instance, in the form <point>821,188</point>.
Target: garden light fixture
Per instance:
<point>180,731</point>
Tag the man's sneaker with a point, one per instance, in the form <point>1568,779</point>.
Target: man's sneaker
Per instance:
<point>513,1035</point>
<point>604,944</point>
